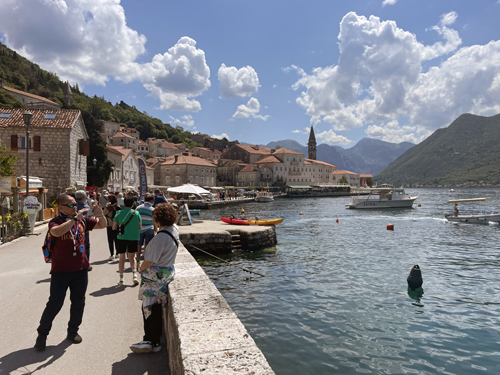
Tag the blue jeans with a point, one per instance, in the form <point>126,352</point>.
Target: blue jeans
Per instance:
<point>59,284</point>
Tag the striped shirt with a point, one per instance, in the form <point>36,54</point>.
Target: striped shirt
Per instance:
<point>146,212</point>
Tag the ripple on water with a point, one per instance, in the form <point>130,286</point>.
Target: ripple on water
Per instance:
<point>335,300</point>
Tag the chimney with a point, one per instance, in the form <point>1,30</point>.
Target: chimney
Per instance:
<point>175,158</point>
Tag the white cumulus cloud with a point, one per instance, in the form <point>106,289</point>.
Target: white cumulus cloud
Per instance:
<point>85,41</point>
<point>237,83</point>
<point>330,137</point>
<point>251,109</point>
<point>393,132</point>
<point>223,135</point>
<point>88,41</point>
<point>303,131</point>
<point>389,2</point>
<point>174,77</point>
<point>186,120</point>
<point>380,77</point>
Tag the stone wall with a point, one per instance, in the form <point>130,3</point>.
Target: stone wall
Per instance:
<point>204,335</point>
<point>77,162</point>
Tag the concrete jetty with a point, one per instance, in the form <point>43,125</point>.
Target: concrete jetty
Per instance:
<point>219,237</point>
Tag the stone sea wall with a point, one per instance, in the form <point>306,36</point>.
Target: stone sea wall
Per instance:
<point>204,335</point>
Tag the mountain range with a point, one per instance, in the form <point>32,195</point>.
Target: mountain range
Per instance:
<point>367,156</point>
<point>465,153</point>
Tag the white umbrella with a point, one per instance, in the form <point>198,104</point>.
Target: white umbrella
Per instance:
<point>189,189</point>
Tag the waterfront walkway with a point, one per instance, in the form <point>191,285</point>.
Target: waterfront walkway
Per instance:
<point>111,322</point>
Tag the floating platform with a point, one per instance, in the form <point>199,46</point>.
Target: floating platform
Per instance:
<point>217,237</point>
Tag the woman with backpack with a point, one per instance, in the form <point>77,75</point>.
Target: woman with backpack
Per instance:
<point>109,212</point>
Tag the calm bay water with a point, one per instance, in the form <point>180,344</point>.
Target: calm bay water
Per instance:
<point>335,298</point>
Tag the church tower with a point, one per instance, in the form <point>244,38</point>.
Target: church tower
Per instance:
<point>67,94</point>
<point>311,145</point>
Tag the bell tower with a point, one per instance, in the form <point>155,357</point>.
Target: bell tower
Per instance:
<point>311,145</point>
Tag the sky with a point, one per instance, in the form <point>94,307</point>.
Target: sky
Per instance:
<point>260,71</point>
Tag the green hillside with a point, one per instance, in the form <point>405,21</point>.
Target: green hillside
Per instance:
<point>21,74</point>
<point>465,153</point>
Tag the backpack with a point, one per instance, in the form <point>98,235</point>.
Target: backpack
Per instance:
<point>48,245</point>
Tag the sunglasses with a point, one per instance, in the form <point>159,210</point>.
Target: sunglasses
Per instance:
<point>71,205</point>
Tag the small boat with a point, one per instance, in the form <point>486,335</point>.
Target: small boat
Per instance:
<point>452,190</point>
<point>194,212</point>
<point>256,221</point>
<point>479,218</point>
<point>383,197</point>
<point>264,196</point>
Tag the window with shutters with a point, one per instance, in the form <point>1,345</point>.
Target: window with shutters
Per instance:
<point>83,147</point>
<point>13,142</point>
<point>36,143</point>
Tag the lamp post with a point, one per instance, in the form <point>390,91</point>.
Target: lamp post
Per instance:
<point>95,162</point>
<point>27,116</point>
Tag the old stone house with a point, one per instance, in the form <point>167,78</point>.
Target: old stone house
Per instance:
<point>247,154</point>
<point>31,101</point>
<point>58,146</point>
<point>130,131</point>
<point>110,127</point>
<point>351,177</point>
<point>248,176</point>
<point>142,148</point>
<point>186,168</point>
<point>227,170</point>
<point>162,148</point>
<point>124,140</point>
<point>207,153</point>
<point>115,183</point>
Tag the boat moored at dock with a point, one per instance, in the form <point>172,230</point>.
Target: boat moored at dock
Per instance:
<point>264,196</point>
<point>472,218</point>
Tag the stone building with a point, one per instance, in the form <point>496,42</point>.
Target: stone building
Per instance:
<point>68,94</point>
<point>58,146</point>
<point>31,101</point>
<point>142,148</point>
<point>115,183</point>
<point>110,127</point>
<point>186,168</point>
<point>124,140</point>
<point>351,178</point>
<point>130,131</point>
<point>126,168</point>
<point>206,153</point>
<point>227,170</point>
<point>248,176</point>
<point>162,148</point>
<point>247,154</point>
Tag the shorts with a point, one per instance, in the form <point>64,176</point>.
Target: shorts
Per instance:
<point>146,237</point>
<point>122,246</point>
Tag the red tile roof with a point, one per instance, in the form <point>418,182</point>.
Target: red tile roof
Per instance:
<point>64,119</point>
<point>168,145</point>
<point>187,160</point>
<point>141,143</point>
<point>122,135</point>
<point>255,149</point>
<point>249,168</point>
<point>320,162</point>
<point>343,172</point>
<point>15,91</point>
<point>283,150</point>
<point>268,159</point>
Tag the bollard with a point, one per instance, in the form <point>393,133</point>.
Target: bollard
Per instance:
<point>415,278</point>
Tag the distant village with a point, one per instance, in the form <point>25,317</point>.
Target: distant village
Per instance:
<point>59,147</point>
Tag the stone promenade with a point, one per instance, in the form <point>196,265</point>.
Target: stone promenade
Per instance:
<point>111,322</point>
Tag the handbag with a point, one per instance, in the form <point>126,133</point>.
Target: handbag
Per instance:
<point>121,227</point>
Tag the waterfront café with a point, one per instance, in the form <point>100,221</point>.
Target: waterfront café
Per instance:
<point>298,190</point>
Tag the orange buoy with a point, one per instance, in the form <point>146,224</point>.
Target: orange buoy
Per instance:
<point>337,220</point>
<point>390,226</point>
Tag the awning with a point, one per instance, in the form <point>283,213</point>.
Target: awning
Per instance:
<point>300,187</point>
<point>188,188</point>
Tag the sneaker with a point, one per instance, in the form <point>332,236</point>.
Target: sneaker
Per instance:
<point>74,337</point>
<point>117,256</point>
<point>90,268</point>
<point>41,343</point>
<point>142,347</point>
<point>156,348</point>
<point>136,280</point>
<point>120,282</point>
<point>111,258</point>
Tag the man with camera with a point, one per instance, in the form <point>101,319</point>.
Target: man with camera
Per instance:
<point>129,224</point>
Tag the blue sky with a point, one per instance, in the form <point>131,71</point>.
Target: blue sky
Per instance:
<point>261,71</point>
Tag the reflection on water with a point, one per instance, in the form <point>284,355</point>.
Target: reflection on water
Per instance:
<point>335,298</point>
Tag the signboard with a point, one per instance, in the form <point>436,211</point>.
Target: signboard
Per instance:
<point>143,181</point>
<point>184,209</point>
<point>5,184</point>
<point>31,207</point>
<point>91,189</point>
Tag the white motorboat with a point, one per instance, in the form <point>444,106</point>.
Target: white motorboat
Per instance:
<point>473,218</point>
<point>264,196</point>
<point>386,197</point>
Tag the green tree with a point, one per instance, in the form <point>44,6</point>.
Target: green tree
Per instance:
<point>343,181</point>
<point>7,161</point>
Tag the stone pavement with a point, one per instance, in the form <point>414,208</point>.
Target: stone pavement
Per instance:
<point>111,322</point>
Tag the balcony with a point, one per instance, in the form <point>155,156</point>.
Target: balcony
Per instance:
<point>296,173</point>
